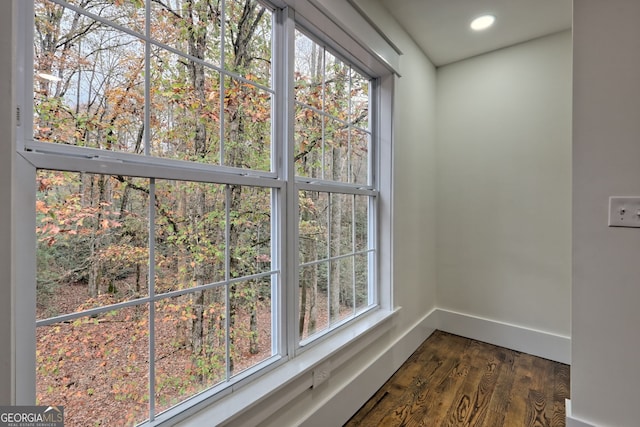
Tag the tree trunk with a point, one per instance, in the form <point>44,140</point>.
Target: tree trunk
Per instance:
<point>95,272</point>
<point>199,274</point>
<point>253,328</point>
<point>235,201</point>
<point>303,303</point>
<point>197,42</point>
<point>309,279</point>
<point>313,297</point>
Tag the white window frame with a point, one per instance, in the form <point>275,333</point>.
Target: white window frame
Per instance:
<point>344,341</point>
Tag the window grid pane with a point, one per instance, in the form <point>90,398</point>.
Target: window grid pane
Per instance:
<point>335,263</point>
<point>211,248</point>
<point>332,109</point>
<point>90,89</point>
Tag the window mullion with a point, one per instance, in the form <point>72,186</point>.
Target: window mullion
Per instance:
<point>349,129</point>
<point>353,250</point>
<point>329,253</point>
<point>324,117</point>
<point>227,198</point>
<point>152,303</point>
<point>152,214</point>
<point>288,230</point>
<point>23,378</point>
<point>222,77</point>
<point>227,278</point>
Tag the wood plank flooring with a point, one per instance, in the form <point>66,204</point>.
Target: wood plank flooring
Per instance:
<point>454,381</point>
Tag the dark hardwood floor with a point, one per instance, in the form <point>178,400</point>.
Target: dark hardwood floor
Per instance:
<point>455,381</point>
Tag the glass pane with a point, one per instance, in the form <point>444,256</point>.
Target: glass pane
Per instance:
<point>92,241</point>
<point>313,226</point>
<point>309,66</point>
<point>359,100</point>
<point>341,291</point>
<point>308,143</point>
<point>249,230</point>
<point>340,137</point>
<point>91,92</point>
<point>191,27</point>
<point>247,126</point>
<point>336,87</point>
<point>314,308</point>
<point>248,40</point>
<point>95,364</point>
<point>361,223</point>
<point>250,323</point>
<point>185,109</point>
<point>126,13</point>
<point>341,225</point>
<point>190,234</point>
<point>191,340</point>
<point>361,282</point>
<point>336,151</point>
<point>88,92</point>
<point>359,157</point>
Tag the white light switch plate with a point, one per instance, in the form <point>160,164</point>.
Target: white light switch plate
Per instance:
<point>624,212</point>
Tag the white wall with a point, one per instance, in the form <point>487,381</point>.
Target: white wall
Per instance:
<point>414,183</point>
<point>606,261</point>
<point>504,185</point>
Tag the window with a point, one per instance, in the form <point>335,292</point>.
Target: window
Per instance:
<point>201,215</point>
<point>333,168</point>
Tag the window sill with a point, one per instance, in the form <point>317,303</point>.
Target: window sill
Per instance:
<point>286,381</point>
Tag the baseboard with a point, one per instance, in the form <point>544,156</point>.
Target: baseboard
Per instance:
<point>364,384</point>
<point>574,422</point>
<point>539,343</point>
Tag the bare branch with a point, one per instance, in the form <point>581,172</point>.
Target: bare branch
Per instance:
<point>167,8</point>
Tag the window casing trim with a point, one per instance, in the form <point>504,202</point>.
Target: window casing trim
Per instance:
<point>347,32</point>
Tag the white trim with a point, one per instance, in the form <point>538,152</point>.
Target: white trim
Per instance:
<point>539,343</point>
<point>8,285</point>
<point>253,403</point>
<point>361,10</point>
<point>385,204</point>
<point>574,422</point>
<point>360,28</point>
<point>358,387</point>
<point>339,22</point>
<point>48,155</point>
<point>333,187</point>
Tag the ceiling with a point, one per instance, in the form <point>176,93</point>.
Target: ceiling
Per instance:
<point>441,27</point>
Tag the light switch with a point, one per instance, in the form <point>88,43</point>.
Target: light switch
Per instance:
<point>624,212</point>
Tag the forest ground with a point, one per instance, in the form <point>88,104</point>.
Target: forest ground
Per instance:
<point>97,368</point>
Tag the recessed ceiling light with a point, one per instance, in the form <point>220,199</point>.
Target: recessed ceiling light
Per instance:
<point>482,22</point>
